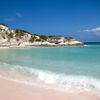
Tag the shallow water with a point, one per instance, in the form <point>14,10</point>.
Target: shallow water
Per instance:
<point>68,67</point>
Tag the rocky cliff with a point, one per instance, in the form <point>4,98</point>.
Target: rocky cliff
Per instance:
<point>10,37</point>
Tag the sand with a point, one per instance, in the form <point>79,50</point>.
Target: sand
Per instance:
<point>10,90</point>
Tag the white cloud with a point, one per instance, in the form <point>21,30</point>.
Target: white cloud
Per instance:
<point>93,30</point>
<point>9,19</point>
<point>18,14</point>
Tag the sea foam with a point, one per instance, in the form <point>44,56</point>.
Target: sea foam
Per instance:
<point>67,82</point>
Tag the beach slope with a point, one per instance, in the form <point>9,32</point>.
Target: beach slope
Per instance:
<point>10,90</point>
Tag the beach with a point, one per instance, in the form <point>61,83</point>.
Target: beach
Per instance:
<point>10,90</point>
<point>50,50</point>
<point>56,73</point>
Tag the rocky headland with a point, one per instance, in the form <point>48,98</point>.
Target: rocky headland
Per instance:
<point>22,38</point>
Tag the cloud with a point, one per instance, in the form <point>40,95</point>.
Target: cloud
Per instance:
<point>93,30</point>
<point>9,19</point>
<point>18,14</point>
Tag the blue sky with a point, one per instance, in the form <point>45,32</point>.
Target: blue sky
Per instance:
<point>76,18</point>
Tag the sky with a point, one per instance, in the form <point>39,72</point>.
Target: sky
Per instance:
<point>75,18</point>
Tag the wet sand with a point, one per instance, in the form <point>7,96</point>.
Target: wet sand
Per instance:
<point>10,90</point>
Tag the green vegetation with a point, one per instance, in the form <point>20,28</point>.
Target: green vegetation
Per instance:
<point>3,37</point>
<point>10,35</point>
<point>69,39</point>
<point>32,39</point>
<point>43,37</point>
<point>19,33</point>
<point>38,40</point>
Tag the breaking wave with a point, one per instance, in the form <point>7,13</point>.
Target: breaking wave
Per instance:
<point>68,82</point>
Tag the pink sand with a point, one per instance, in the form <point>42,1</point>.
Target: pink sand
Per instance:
<point>15,91</point>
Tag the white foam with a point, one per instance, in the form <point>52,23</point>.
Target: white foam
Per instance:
<point>68,82</point>
<point>16,80</point>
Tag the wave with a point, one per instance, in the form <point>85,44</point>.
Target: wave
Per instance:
<point>68,82</point>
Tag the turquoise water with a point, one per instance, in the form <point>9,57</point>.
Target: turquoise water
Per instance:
<point>77,67</point>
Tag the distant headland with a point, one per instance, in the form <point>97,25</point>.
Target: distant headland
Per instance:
<point>22,38</point>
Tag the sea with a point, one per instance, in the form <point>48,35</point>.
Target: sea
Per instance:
<point>72,68</point>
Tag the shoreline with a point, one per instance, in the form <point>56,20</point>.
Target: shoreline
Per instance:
<point>37,46</point>
<point>15,91</point>
<point>18,89</point>
<point>24,79</point>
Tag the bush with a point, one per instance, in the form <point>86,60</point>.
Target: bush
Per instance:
<point>10,35</point>
<point>32,39</point>
<point>19,33</point>
<point>38,39</point>
<point>43,37</point>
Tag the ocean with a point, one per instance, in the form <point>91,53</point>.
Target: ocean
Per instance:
<point>70,68</point>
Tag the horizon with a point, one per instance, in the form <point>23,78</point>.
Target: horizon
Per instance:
<point>71,18</point>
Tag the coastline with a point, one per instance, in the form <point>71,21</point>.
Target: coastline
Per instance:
<point>21,91</point>
<point>16,91</point>
<point>35,46</point>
